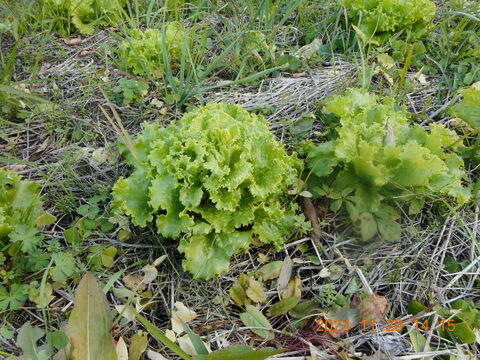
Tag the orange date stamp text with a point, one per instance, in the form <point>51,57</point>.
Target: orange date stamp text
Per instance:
<point>326,325</point>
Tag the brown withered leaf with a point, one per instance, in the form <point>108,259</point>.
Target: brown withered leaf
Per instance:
<point>86,52</point>
<point>374,308</point>
<point>74,41</point>
<point>311,214</point>
<point>356,301</point>
<point>285,274</point>
<point>135,282</point>
<point>294,288</point>
<point>40,151</point>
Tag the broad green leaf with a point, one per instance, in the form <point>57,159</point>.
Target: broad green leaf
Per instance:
<point>27,339</point>
<point>255,291</point>
<point>271,270</point>
<point>304,309</point>
<point>26,236</point>
<point>464,333</point>
<point>238,352</point>
<point>197,342</point>
<point>138,345</point>
<point>58,339</point>
<point>419,343</point>
<point>13,299</point>
<point>64,266</point>
<point>284,306</point>
<point>382,19</point>
<point>202,180</point>
<point>90,323</point>
<point>368,226</point>
<point>469,108</point>
<point>72,236</point>
<point>108,256</point>
<point>370,177</point>
<point>45,219</point>
<point>415,307</point>
<point>237,293</point>
<point>254,318</point>
<point>346,314</point>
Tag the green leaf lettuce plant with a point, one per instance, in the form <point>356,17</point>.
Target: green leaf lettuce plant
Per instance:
<point>21,214</point>
<point>142,52</point>
<point>375,160</point>
<point>216,180</point>
<point>383,18</point>
<point>21,219</point>
<point>85,14</point>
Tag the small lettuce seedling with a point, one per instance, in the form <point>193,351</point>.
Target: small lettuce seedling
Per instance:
<point>143,52</point>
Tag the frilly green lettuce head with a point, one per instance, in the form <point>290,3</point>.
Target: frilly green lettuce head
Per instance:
<point>383,18</point>
<point>217,180</point>
<point>377,160</point>
<point>142,51</point>
<point>86,14</point>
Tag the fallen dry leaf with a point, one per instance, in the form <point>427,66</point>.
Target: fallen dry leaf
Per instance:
<point>127,314</point>
<point>15,167</point>
<point>285,274</point>
<point>137,282</point>
<point>181,313</point>
<point>121,349</point>
<point>134,282</point>
<point>152,355</point>
<point>374,308</point>
<point>150,273</point>
<point>356,301</point>
<point>170,334</point>
<point>74,41</point>
<point>159,260</point>
<point>86,52</point>
<point>44,146</point>
<point>311,214</point>
<point>293,289</point>
<point>186,345</point>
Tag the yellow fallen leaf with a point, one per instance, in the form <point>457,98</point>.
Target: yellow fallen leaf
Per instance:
<point>121,349</point>
<point>170,334</point>
<point>127,314</point>
<point>186,345</point>
<point>181,313</point>
<point>152,355</point>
